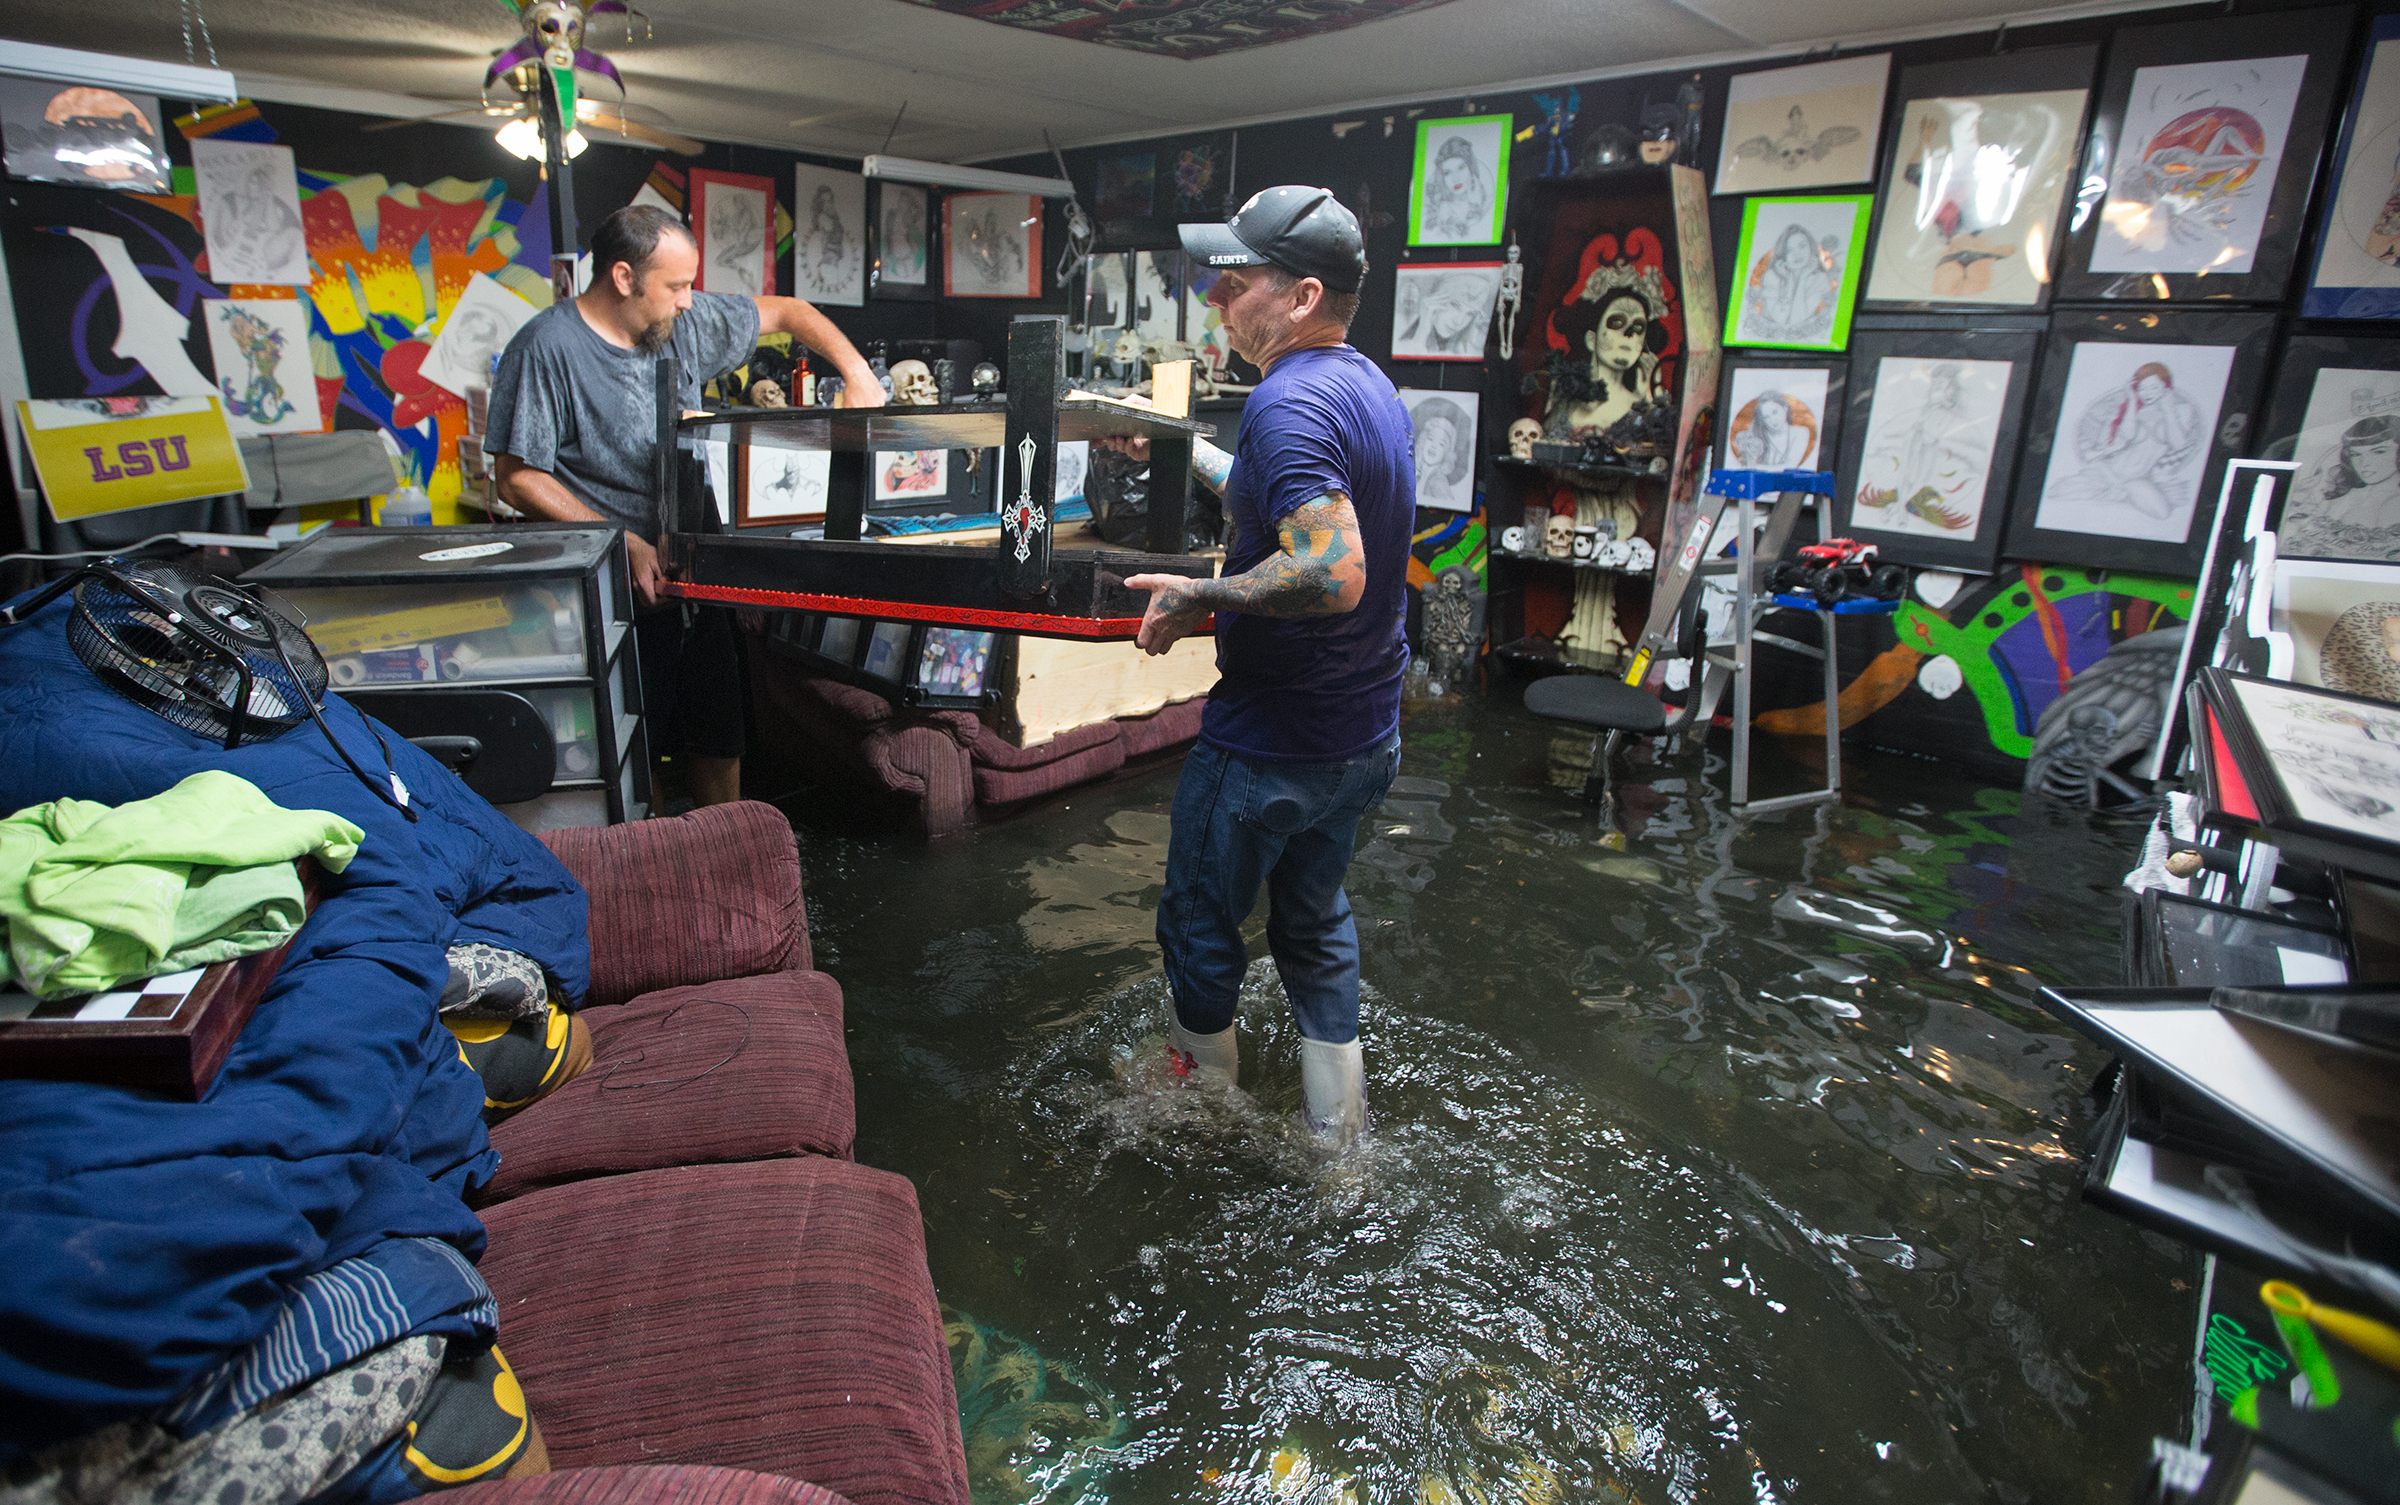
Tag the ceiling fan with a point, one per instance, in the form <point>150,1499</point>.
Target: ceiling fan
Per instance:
<point>519,121</point>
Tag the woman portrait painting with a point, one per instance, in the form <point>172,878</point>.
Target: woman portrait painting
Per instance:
<point>1793,290</point>
<point>1774,431</point>
<point>1616,324</point>
<point>1457,194</point>
<point>2348,506</point>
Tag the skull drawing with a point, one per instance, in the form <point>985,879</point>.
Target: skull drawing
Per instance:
<point>558,26</point>
<point>1558,535</point>
<point>1521,435</point>
<point>912,383</point>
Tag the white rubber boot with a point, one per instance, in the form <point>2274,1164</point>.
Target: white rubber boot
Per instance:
<point>1214,1060</point>
<point>1333,1091</point>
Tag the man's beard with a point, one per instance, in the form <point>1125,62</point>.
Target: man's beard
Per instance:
<point>654,339</point>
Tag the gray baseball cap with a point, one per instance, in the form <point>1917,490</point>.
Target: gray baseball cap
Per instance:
<point>1303,230</point>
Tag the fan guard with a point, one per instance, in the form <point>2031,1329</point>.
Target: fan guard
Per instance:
<point>213,658</point>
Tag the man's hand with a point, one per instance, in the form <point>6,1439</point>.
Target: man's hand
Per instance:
<point>642,561</point>
<point>861,389</point>
<point>1172,614</point>
<point>1136,445</point>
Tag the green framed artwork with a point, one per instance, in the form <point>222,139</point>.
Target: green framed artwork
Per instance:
<point>1795,279</point>
<point>1458,194</point>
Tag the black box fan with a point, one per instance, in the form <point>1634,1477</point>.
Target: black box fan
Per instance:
<point>209,655</point>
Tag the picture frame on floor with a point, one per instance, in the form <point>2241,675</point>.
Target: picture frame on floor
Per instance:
<point>2138,413</point>
<point>1975,187</point>
<point>2317,764</point>
<point>1780,414</point>
<point>2206,136</point>
<point>1928,453</point>
<point>2336,414</point>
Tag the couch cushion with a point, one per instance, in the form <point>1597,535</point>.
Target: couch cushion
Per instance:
<point>1000,786</point>
<point>995,751</point>
<point>643,1486</point>
<point>752,1069</point>
<point>1169,725</point>
<point>774,1316</point>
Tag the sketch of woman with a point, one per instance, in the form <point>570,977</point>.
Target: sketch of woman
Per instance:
<point>2140,447</point>
<point>1793,289</point>
<point>1450,317</point>
<point>825,248</point>
<point>903,237</point>
<point>1445,464</point>
<point>1457,203</point>
<point>257,225</point>
<point>1963,196</point>
<point>2352,509</point>
<point>1773,432</point>
<point>1614,320</point>
<point>737,240</point>
<point>1928,475</point>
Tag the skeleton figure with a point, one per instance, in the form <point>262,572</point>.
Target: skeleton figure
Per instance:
<point>2106,714</point>
<point>1453,629</point>
<point>912,383</point>
<point>1521,435</point>
<point>1512,296</point>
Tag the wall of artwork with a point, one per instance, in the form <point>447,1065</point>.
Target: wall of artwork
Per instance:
<point>2026,294</point>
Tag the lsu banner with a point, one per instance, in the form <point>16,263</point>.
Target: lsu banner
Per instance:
<point>107,454</point>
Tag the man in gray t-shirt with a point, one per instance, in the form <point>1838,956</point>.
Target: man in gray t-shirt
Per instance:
<point>573,426</point>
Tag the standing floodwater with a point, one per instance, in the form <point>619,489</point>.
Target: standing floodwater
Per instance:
<point>1734,1165</point>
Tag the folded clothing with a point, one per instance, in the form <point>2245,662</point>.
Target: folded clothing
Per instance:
<point>202,873</point>
<point>493,982</point>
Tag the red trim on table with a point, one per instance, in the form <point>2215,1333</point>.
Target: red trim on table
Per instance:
<point>1109,628</point>
<point>2232,793</point>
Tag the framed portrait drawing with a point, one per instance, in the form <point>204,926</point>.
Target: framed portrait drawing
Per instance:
<point>250,212</point>
<point>1780,414</point>
<point>829,236</point>
<point>2336,414</point>
<point>900,242</point>
<point>993,243</point>
<point>2344,623</point>
<point>2357,274</point>
<point>2137,415</point>
<point>1458,190</point>
<point>773,484</point>
<point>2203,146</point>
<point>2316,762</point>
<point>1975,189</point>
<point>1928,448</point>
<point>77,133</point>
<point>907,475</point>
<point>1442,310</point>
<point>733,219</point>
<point>1795,277</point>
<point>1813,126</point>
<point>1445,447</point>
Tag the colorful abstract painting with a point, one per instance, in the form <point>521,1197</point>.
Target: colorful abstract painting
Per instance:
<point>1180,28</point>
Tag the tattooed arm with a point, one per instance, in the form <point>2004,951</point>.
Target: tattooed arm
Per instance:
<point>1320,571</point>
<point>1211,464</point>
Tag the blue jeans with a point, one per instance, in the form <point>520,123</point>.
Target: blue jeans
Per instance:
<point>1292,826</point>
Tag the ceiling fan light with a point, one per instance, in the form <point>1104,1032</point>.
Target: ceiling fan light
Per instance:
<point>522,137</point>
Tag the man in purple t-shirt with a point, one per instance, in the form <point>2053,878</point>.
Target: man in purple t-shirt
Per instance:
<point>1302,732</point>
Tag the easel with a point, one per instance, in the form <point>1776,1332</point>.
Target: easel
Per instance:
<point>1677,604</point>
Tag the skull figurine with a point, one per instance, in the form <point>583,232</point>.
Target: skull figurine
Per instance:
<point>767,394</point>
<point>912,383</point>
<point>558,26</point>
<point>1521,435</point>
<point>985,379</point>
<point>1558,535</point>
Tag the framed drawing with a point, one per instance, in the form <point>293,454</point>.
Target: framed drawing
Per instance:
<point>899,242</point>
<point>2344,623</point>
<point>1796,276</point>
<point>263,369</point>
<point>994,245</point>
<point>2336,413</point>
<point>1928,451</point>
<point>1780,415</point>
<point>1442,311</point>
<point>887,651</point>
<point>2203,146</point>
<point>2357,275</point>
<point>1445,447</point>
<point>77,133</point>
<point>829,245</point>
<point>250,212</point>
<point>733,219</point>
<point>773,484</point>
<point>1813,126</point>
<point>1458,190</point>
<point>477,328</point>
<point>2138,413</point>
<point>907,475</point>
<point>1982,151</point>
<point>2318,764</point>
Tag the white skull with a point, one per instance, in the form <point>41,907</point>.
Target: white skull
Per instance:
<point>1558,536</point>
<point>912,383</point>
<point>1521,435</point>
<point>1128,347</point>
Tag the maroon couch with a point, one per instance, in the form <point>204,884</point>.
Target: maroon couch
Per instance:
<point>690,1268</point>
